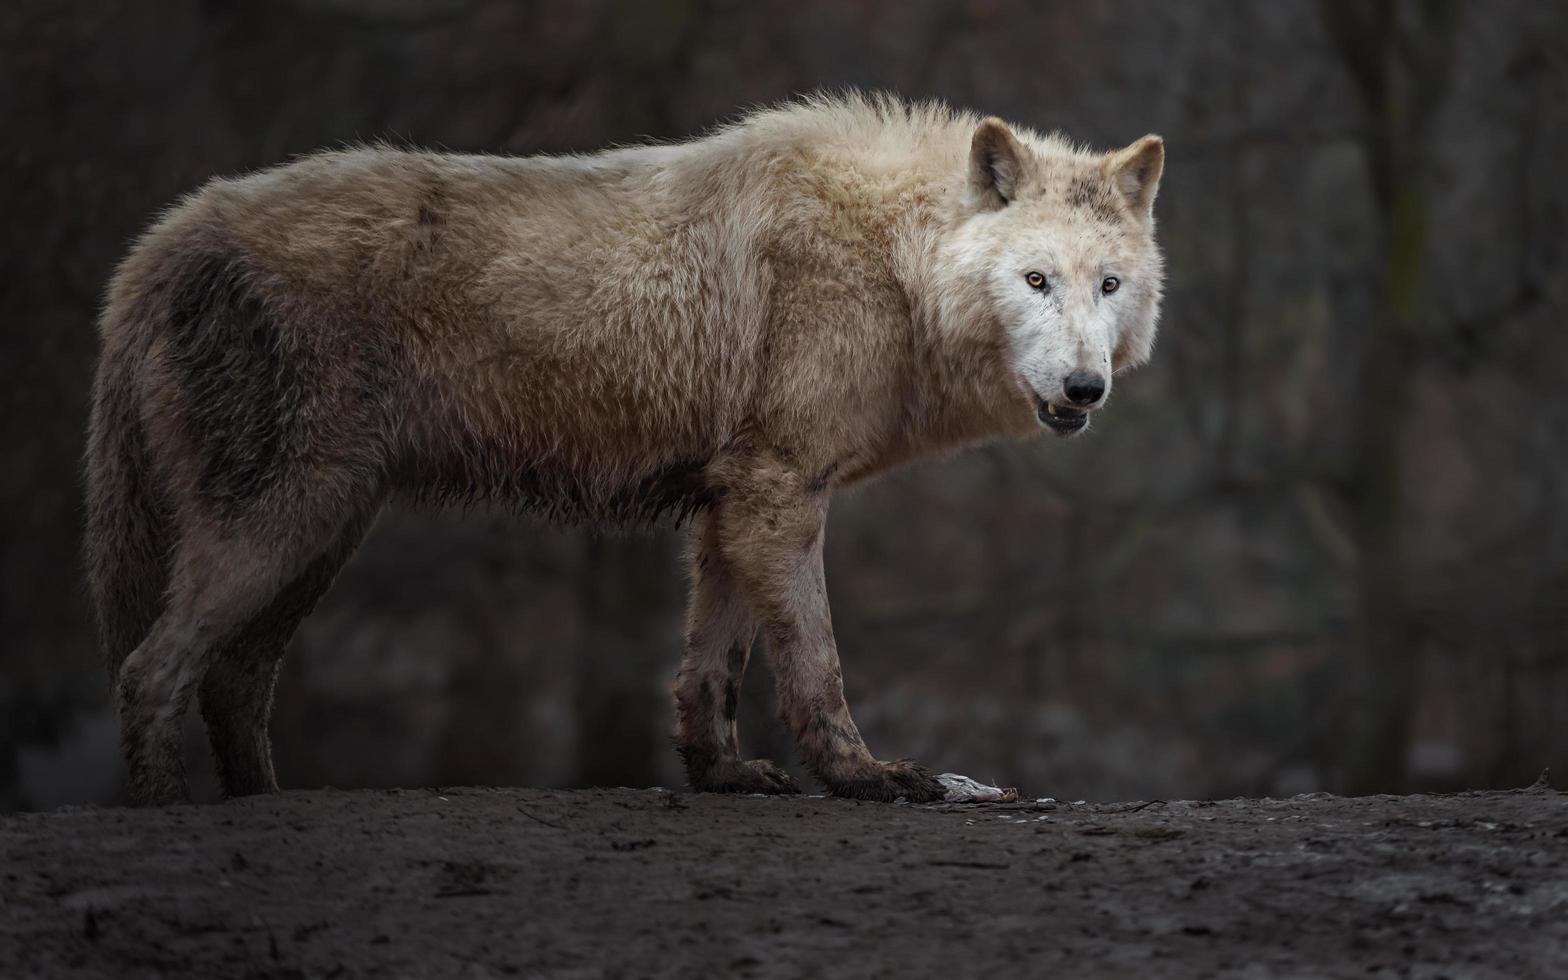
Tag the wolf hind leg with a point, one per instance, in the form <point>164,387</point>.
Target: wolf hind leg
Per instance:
<point>720,628</point>
<point>235,692</point>
<point>236,702</point>
<point>221,580</point>
<point>269,424</point>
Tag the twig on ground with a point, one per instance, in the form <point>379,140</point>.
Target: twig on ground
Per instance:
<point>1135,809</point>
<point>542,820</point>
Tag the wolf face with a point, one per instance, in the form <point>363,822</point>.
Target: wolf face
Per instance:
<point>1057,250</point>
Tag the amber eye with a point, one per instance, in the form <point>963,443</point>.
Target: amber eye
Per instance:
<point>1035,280</point>
<point>1110,285</point>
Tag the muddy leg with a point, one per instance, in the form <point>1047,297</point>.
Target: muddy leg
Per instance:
<point>236,689</point>
<point>771,530</point>
<point>719,632</point>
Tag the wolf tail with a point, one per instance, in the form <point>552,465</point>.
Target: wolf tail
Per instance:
<point>128,526</point>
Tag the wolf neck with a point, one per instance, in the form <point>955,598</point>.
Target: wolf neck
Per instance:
<point>956,384</point>
<point>963,389</point>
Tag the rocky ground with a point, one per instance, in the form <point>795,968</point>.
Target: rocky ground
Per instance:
<point>632,883</point>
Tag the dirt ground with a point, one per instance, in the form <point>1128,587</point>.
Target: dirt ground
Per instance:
<point>632,883</point>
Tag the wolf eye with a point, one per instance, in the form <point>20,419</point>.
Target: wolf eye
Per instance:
<point>1110,285</point>
<point>1035,280</point>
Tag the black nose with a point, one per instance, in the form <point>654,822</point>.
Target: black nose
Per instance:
<point>1084,387</point>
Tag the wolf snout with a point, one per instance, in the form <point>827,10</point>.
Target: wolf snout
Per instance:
<point>1084,389</point>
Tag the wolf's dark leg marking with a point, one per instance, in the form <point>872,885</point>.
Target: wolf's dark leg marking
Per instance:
<point>772,531</point>
<point>239,381</point>
<point>236,688</point>
<point>719,632</point>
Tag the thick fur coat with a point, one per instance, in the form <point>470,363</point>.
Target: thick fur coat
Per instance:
<point>728,329</point>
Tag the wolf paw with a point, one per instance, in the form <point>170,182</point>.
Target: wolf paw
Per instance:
<point>742,776</point>
<point>890,781</point>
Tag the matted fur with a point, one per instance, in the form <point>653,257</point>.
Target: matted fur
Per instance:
<point>727,328</point>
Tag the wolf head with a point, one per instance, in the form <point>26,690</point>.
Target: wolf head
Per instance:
<point>1055,248</point>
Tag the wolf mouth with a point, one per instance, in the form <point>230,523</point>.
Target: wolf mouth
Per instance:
<point>1061,419</point>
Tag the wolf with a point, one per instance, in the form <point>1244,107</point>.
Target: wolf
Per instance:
<point>727,329</point>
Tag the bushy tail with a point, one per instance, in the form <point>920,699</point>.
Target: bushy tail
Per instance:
<point>127,535</point>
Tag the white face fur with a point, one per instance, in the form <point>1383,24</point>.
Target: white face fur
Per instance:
<point>1062,250</point>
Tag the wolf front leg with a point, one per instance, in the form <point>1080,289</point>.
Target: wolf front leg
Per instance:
<point>770,531</point>
<point>719,632</point>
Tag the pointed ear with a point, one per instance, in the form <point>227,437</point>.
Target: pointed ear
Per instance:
<point>996,165</point>
<point>1135,172</point>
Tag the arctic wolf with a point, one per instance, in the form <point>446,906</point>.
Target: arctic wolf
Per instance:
<point>727,329</point>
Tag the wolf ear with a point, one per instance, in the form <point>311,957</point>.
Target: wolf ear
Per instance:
<point>996,165</point>
<point>1135,171</point>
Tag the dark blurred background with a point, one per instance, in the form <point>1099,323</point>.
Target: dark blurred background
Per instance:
<point>1320,543</point>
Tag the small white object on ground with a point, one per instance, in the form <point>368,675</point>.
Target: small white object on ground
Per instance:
<point>962,789</point>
